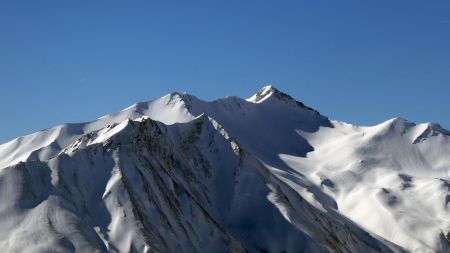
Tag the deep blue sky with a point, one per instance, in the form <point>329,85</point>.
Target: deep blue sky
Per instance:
<point>358,61</point>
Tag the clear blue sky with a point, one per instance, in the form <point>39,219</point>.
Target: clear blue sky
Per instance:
<point>358,61</point>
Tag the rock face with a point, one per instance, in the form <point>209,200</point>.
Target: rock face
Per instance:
<point>266,174</point>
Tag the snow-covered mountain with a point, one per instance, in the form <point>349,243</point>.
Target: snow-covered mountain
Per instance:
<point>266,174</point>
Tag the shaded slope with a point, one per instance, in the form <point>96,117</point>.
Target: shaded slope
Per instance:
<point>149,187</point>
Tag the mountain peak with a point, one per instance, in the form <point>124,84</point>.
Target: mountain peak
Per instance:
<point>270,91</point>
<point>264,93</point>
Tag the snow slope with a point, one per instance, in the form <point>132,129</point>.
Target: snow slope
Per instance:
<point>265,174</point>
<point>47,143</point>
